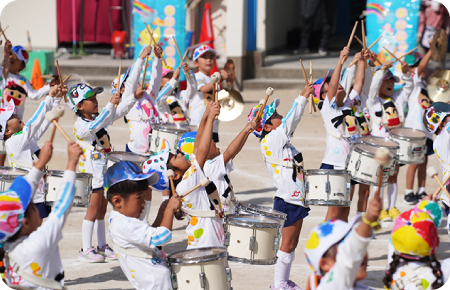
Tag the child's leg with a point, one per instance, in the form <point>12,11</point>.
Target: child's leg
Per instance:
<point>345,211</point>
<point>410,178</point>
<point>332,213</point>
<point>100,230</point>
<point>299,225</point>
<point>2,159</point>
<point>165,195</point>
<point>422,176</point>
<point>363,196</point>
<point>89,219</point>
<point>392,189</point>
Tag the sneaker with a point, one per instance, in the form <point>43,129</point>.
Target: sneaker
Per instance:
<point>107,252</point>
<point>421,195</point>
<point>411,198</point>
<point>384,216</point>
<point>293,285</point>
<point>323,52</point>
<point>394,213</point>
<point>283,286</point>
<point>302,51</point>
<point>90,255</point>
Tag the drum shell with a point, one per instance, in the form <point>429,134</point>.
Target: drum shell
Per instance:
<point>412,149</point>
<point>186,274</point>
<point>390,144</point>
<point>327,187</point>
<point>7,178</point>
<point>116,156</point>
<point>254,243</point>
<point>169,132</point>
<point>83,188</point>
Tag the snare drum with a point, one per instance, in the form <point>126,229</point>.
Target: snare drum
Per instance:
<point>172,133</point>
<point>252,239</point>
<point>7,176</point>
<point>254,209</point>
<point>364,168</point>
<point>83,188</point>
<point>204,268</point>
<point>327,187</point>
<point>412,145</point>
<point>118,156</point>
<point>393,146</point>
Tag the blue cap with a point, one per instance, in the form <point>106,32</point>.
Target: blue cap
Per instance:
<point>127,170</point>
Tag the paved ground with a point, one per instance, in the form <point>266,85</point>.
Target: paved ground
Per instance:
<point>252,184</point>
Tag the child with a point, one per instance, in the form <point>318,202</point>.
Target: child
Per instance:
<point>134,241</point>
<point>91,133</point>
<point>219,166</point>
<point>415,238</point>
<point>284,163</point>
<point>171,103</point>
<point>418,102</point>
<point>386,112</point>
<point>202,206</point>
<point>337,251</point>
<point>32,256</point>
<point>204,59</point>
<point>21,140</point>
<point>340,123</point>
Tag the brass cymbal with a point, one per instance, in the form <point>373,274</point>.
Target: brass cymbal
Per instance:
<point>232,105</point>
<point>438,45</point>
<point>438,86</point>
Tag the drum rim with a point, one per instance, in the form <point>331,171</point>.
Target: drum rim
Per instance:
<point>160,128</point>
<point>369,182</point>
<point>252,261</point>
<point>323,202</point>
<point>203,259</point>
<point>110,156</point>
<point>248,224</point>
<point>369,154</point>
<point>12,168</point>
<point>329,171</point>
<point>411,162</point>
<point>61,174</point>
<point>408,138</point>
<point>273,212</point>
<point>383,138</point>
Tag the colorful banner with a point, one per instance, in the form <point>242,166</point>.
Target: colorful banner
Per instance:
<point>167,18</point>
<point>398,22</point>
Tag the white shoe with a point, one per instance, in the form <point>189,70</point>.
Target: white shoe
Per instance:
<point>90,256</point>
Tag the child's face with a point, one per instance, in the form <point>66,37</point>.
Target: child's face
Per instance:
<point>275,121</point>
<point>205,63</point>
<point>179,162</point>
<point>89,106</point>
<point>14,125</point>
<point>122,89</point>
<point>387,87</point>
<point>15,64</point>
<point>214,151</point>
<point>442,125</point>
<point>133,205</point>
<point>165,80</point>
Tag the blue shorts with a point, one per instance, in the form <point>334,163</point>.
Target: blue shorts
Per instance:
<point>215,137</point>
<point>446,209</point>
<point>328,166</point>
<point>429,147</point>
<point>294,212</point>
<point>127,149</point>
<point>44,210</point>
<point>98,188</point>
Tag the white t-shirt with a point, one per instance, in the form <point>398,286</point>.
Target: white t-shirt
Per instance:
<point>277,145</point>
<point>441,147</point>
<point>132,233</point>
<point>414,119</point>
<point>18,88</point>
<point>38,253</point>
<point>197,105</point>
<point>201,232</point>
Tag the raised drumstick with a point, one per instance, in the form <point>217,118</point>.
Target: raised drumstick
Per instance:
<point>360,42</point>
<point>364,39</point>
<point>60,76</point>
<point>118,81</point>
<point>269,92</point>
<point>393,56</point>
<point>382,158</point>
<point>3,32</point>
<point>203,182</point>
<point>307,83</point>
<point>311,81</point>
<point>439,189</point>
<point>59,112</point>
<point>350,40</point>
<point>409,52</point>
<point>179,54</point>
<point>215,78</point>
<point>145,71</point>
<point>155,43</point>
<point>433,173</point>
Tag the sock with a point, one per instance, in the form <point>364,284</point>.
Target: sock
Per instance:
<point>144,214</point>
<point>421,189</point>
<point>288,271</point>
<point>86,231</point>
<point>100,230</point>
<point>392,195</point>
<point>359,212</point>
<point>408,191</point>
<point>165,197</point>
<point>281,267</point>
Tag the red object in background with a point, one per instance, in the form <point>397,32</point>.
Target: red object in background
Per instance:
<point>118,43</point>
<point>182,85</point>
<point>96,25</point>
<point>207,33</point>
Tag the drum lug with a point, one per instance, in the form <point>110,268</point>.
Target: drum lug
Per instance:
<point>276,243</point>
<point>228,276</point>
<point>86,190</point>
<point>46,188</point>
<point>358,163</point>
<point>157,142</point>
<point>349,188</point>
<point>202,278</point>
<point>150,138</point>
<point>306,187</point>
<point>251,245</point>
<point>327,187</point>
<point>174,281</point>
<point>227,239</point>
<point>409,150</point>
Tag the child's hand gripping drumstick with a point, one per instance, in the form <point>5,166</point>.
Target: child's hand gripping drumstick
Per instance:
<point>60,77</point>
<point>350,40</point>
<point>258,117</point>
<point>179,54</point>
<point>154,43</point>
<point>118,83</point>
<point>215,79</point>
<point>382,158</point>
<point>433,173</point>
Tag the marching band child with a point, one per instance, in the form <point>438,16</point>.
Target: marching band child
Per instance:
<point>202,206</point>
<point>91,133</point>
<point>284,163</point>
<point>21,140</point>
<point>415,238</point>
<point>337,251</point>
<point>32,256</point>
<point>134,241</point>
<point>418,102</point>
<point>386,112</point>
<point>340,122</point>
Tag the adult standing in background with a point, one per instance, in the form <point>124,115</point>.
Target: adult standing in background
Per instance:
<point>309,15</point>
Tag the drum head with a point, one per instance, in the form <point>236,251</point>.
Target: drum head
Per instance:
<point>171,128</point>
<point>378,141</point>
<point>211,253</point>
<point>247,219</point>
<point>260,209</point>
<point>326,172</point>
<point>369,150</point>
<point>5,170</point>
<point>55,173</point>
<point>408,133</point>
<point>127,156</point>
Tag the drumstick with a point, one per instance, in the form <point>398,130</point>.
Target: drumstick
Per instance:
<point>433,173</point>
<point>118,81</point>
<point>364,39</point>
<point>269,92</point>
<point>3,32</point>
<point>350,40</point>
<point>396,59</point>
<point>215,78</point>
<point>29,40</point>
<point>179,54</point>
<point>154,43</point>
<point>439,189</point>
<point>409,52</point>
<point>307,83</point>
<point>311,81</point>
<point>145,71</point>
<point>203,182</point>
<point>360,41</point>
<point>60,77</point>
<point>382,157</point>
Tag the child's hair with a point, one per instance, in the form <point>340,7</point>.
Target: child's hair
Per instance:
<point>264,132</point>
<point>14,237</point>
<point>430,261</point>
<point>13,116</point>
<point>126,188</point>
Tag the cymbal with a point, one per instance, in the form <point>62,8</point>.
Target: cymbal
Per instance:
<point>438,45</point>
<point>438,86</point>
<point>232,105</point>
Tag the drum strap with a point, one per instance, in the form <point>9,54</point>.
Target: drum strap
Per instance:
<point>85,145</point>
<point>43,282</point>
<point>333,133</point>
<point>412,277</point>
<point>137,118</point>
<point>147,254</point>
<point>278,161</point>
<point>199,213</point>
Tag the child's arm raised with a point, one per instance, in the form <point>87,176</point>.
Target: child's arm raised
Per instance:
<point>333,86</point>
<point>293,117</point>
<point>422,67</point>
<point>7,49</point>
<point>201,128</point>
<point>169,87</point>
<point>45,124</point>
<point>156,76</point>
<point>36,172</point>
<point>205,141</point>
<point>360,74</point>
<point>408,87</point>
<point>236,145</point>
<point>191,88</point>
<point>378,79</point>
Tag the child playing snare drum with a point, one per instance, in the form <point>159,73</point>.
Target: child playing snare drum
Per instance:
<point>284,163</point>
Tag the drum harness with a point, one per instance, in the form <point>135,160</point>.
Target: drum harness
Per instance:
<point>217,212</point>
<point>40,281</point>
<point>296,164</point>
<point>412,277</point>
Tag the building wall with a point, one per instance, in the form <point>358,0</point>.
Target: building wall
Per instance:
<point>36,16</point>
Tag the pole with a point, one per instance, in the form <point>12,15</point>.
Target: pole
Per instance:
<point>81,52</point>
